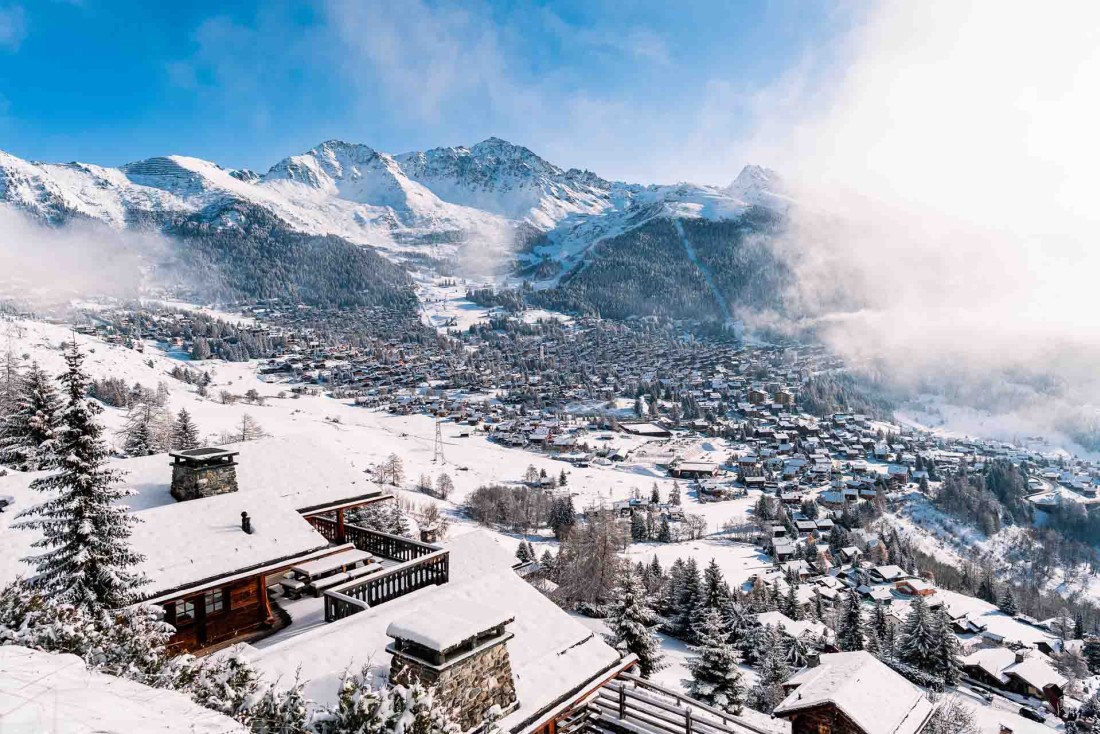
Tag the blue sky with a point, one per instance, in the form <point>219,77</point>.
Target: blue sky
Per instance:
<point>644,91</point>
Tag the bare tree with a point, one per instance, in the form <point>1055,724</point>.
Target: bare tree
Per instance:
<point>248,429</point>
<point>444,486</point>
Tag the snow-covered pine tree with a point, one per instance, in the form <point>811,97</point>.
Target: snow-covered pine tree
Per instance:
<point>791,607</point>
<point>521,552</point>
<point>138,439</point>
<point>773,671</point>
<point>281,711</point>
<point>849,633</point>
<point>86,559</point>
<point>398,525</point>
<point>918,641</point>
<point>674,494</point>
<point>637,527</point>
<point>664,535</point>
<point>688,602</point>
<point>28,432</point>
<point>948,664</point>
<point>1007,602</point>
<point>666,605</point>
<point>185,434</point>
<point>716,592</point>
<point>633,623</point>
<point>715,677</point>
<point>879,621</point>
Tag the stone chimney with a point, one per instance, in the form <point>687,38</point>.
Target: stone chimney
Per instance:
<point>1020,656</point>
<point>462,654</point>
<point>203,472</point>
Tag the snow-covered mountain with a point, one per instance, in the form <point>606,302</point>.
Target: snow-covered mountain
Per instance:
<point>454,194</point>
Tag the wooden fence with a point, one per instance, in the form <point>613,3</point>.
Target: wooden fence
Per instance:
<point>631,699</point>
<point>359,594</point>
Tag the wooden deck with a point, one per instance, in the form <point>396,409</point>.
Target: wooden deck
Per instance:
<point>407,564</point>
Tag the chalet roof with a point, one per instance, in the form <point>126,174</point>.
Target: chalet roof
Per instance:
<point>551,652</point>
<point>190,542</point>
<point>857,683</point>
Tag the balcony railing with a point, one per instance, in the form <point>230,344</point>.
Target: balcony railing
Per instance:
<point>419,565</point>
<point>359,594</point>
<point>384,545</point>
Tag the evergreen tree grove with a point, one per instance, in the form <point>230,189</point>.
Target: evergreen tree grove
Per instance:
<point>86,560</point>
<point>716,679</point>
<point>632,623</point>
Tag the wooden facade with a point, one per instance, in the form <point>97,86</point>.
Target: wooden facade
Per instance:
<point>823,719</point>
<point>217,614</point>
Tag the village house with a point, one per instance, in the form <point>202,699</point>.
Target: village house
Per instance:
<point>852,693</point>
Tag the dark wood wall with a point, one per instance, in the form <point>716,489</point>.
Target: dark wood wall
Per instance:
<point>244,609</point>
<point>823,720</point>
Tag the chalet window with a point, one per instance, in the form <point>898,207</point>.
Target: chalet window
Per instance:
<point>214,601</point>
<point>823,727</point>
<point>185,611</point>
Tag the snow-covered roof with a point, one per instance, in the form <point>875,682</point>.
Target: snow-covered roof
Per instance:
<point>551,653</point>
<point>873,696</point>
<point>41,691</point>
<point>790,626</point>
<point>1000,662</point>
<point>190,542</point>
<point>276,478</point>
<point>443,629</point>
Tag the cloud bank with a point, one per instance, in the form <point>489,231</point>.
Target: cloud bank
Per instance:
<point>946,167</point>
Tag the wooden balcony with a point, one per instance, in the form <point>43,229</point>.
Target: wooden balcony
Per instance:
<point>409,565</point>
<point>628,704</point>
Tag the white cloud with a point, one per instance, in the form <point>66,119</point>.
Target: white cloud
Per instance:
<point>947,167</point>
<point>13,27</point>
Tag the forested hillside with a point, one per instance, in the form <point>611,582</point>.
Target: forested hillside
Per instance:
<point>650,271</point>
<point>261,258</point>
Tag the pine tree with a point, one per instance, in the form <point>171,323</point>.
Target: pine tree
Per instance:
<point>666,605</point>
<point>1007,602</point>
<point>86,560</point>
<point>185,434</point>
<point>819,605</point>
<point>398,525</point>
<point>139,440</point>
<point>948,664</point>
<point>716,679</point>
<point>655,495</point>
<point>849,633</point>
<point>637,527</point>
<point>664,535</point>
<point>879,621</point>
<point>773,671</point>
<point>522,554</point>
<point>715,590</point>
<point>280,711</point>
<point>791,607</point>
<point>674,494</point>
<point>633,623</point>
<point>28,432</point>
<point>1091,651</point>
<point>688,601</point>
<point>1078,625</point>
<point>919,640</point>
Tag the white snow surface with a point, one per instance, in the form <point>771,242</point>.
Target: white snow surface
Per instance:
<point>45,692</point>
<point>550,653</point>
<point>857,683</point>
<point>444,629</point>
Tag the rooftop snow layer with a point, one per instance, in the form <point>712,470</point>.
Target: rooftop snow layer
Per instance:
<point>551,653</point>
<point>441,629</point>
<point>857,683</point>
<point>41,691</point>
